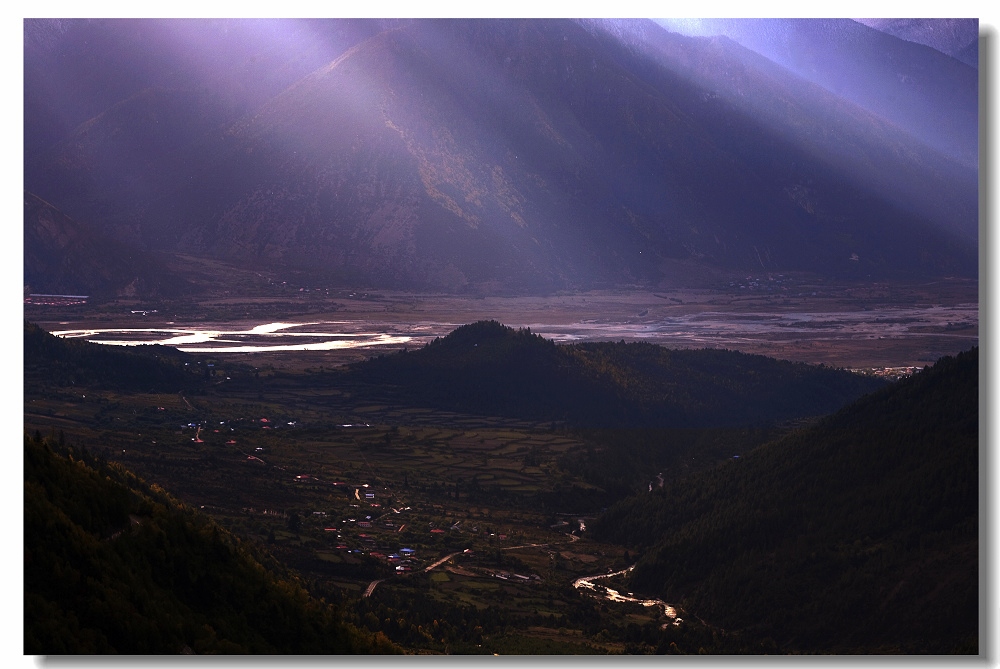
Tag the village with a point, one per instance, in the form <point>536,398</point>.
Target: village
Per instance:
<point>363,521</point>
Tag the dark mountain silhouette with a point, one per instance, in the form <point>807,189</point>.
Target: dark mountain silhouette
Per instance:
<point>53,360</point>
<point>63,256</point>
<point>838,538</point>
<point>509,155</point>
<point>113,565</point>
<point>491,369</point>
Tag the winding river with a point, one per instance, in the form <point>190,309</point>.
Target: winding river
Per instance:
<point>317,336</point>
<point>701,329</point>
<point>587,583</point>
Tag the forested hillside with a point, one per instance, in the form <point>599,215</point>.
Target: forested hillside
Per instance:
<point>488,368</point>
<point>859,534</point>
<point>487,157</point>
<point>112,565</point>
<point>66,362</point>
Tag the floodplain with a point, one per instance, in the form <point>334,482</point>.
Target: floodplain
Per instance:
<point>786,317</point>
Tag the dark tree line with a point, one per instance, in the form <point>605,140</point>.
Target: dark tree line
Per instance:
<point>112,565</point>
<point>490,369</point>
<point>64,362</point>
<point>859,534</point>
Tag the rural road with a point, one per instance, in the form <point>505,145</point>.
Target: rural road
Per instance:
<point>371,586</point>
<point>443,560</point>
<point>514,548</point>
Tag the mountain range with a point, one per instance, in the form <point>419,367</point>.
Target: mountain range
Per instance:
<point>958,38</point>
<point>486,156</point>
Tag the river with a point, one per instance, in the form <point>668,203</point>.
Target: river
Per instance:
<point>587,583</point>
<point>266,337</point>
<point>943,329</point>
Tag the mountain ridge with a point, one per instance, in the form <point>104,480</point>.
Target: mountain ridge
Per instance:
<point>64,256</point>
<point>488,368</point>
<point>521,156</point>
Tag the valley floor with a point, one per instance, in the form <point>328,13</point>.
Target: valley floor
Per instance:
<point>854,326</point>
<point>463,522</point>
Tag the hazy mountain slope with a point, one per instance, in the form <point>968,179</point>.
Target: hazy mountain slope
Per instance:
<point>112,565</point>
<point>812,141</point>
<point>64,256</point>
<point>494,370</point>
<point>959,38</point>
<point>857,534</point>
<point>925,92</point>
<point>512,156</point>
<point>115,108</point>
<point>463,153</point>
<point>76,69</point>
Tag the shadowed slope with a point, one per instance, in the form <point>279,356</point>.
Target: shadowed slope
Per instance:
<point>488,368</point>
<point>518,156</point>
<point>113,565</point>
<point>63,256</point>
<point>859,534</point>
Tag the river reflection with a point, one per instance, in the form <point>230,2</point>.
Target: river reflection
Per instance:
<point>258,339</point>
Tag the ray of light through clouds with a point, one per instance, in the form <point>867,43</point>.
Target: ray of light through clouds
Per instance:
<point>799,46</point>
<point>866,78</point>
<point>208,51</point>
<point>281,57</point>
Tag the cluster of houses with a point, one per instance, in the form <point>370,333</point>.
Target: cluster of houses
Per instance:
<point>888,373</point>
<point>404,559</point>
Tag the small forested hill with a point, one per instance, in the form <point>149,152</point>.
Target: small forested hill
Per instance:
<point>859,534</point>
<point>492,369</point>
<point>112,565</point>
<point>51,360</point>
